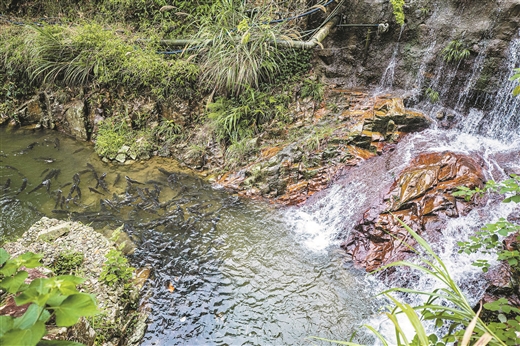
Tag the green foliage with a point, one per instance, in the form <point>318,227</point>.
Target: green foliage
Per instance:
<point>89,54</point>
<point>238,152</point>
<point>489,239</point>
<point>516,77</point>
<point>235,46</point>
<point>116,269</point>
<point>49,298</point>
<point>397,6</point>
<point>456,50</point>
<point>111,136</point>
<point>243,116</point>
<point>432,95</point>
<point>312,89</point>
<point>67,262</point>
<point>113,133</point>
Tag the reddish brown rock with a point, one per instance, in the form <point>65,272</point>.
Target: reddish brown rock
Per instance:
<point>421,197</point>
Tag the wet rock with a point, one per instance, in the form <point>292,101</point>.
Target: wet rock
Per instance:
<point>54,232</point>
<point>34,112</point>
<point>73,121</point>
<point>421,198</point>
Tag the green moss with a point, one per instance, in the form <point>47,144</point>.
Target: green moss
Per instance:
<point>67,262</point>
<point>397,6</point>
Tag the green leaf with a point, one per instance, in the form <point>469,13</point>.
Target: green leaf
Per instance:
<point>9,268</point>
<point>502,318</point>
<point>30,260</point>
<point>12,284</point>
<point>74,307</point>
<point>25,337</point>
<point>6,324</point>
<point>29,318</point>
<point>4,256</point>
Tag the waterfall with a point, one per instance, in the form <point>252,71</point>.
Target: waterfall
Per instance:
<point>503,121</point>
<point>417,86</point>
<point>472,81</point>
<point>387,80</point>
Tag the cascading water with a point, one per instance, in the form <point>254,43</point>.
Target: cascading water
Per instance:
<point>472,81</point>
<point>493,137</point>
<point>504,118</point>
<point>387,80</point>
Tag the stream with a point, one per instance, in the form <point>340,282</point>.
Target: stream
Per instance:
<point>224,270</point>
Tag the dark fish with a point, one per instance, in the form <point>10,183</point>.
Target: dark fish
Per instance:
<point>57,143</point>
<point>7,184</point>
<point>32,145</point>
<point>45,159</point>
<point>62,202</point>
<point>78,191</point>
<point>36,188</point>
<point>58,171</point>
<point>44,171</point>
<point>47,183</point>
<point>78,150</point>
<point>154,182</point>
<point>75,201</point>
<point>75,178</point>
<point>103,176</point>
<point>24,185</point>
<point>132,181</point>
<point>141,194</point>
<point>52,174</point>
<point>58,211</point>
<point>118,177</point>
<point>103,185</point>
<point>95,191</point>
<point>165,172</point>
<point>72,189</point>
<point>58,199</point>
<point>65,185</point>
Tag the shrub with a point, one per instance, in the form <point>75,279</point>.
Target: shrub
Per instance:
<point>312,89</point>
<point>51,299</point>
<point>236,47</point>
<point>242,116</point>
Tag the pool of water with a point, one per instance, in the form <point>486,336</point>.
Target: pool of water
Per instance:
<point>225,271</point>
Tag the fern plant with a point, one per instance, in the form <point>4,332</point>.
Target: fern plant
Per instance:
<point>456,50</point>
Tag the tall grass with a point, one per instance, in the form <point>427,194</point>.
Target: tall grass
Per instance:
<point>91,55</point>
<point>236,48</point>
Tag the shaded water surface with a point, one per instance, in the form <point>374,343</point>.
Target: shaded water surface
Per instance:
<point>225,271</point>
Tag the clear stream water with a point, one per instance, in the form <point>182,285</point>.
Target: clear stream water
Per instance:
<point>243,272</point>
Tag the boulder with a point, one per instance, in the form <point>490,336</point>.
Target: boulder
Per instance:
<point>422,198</point>
<point>74,120</point>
